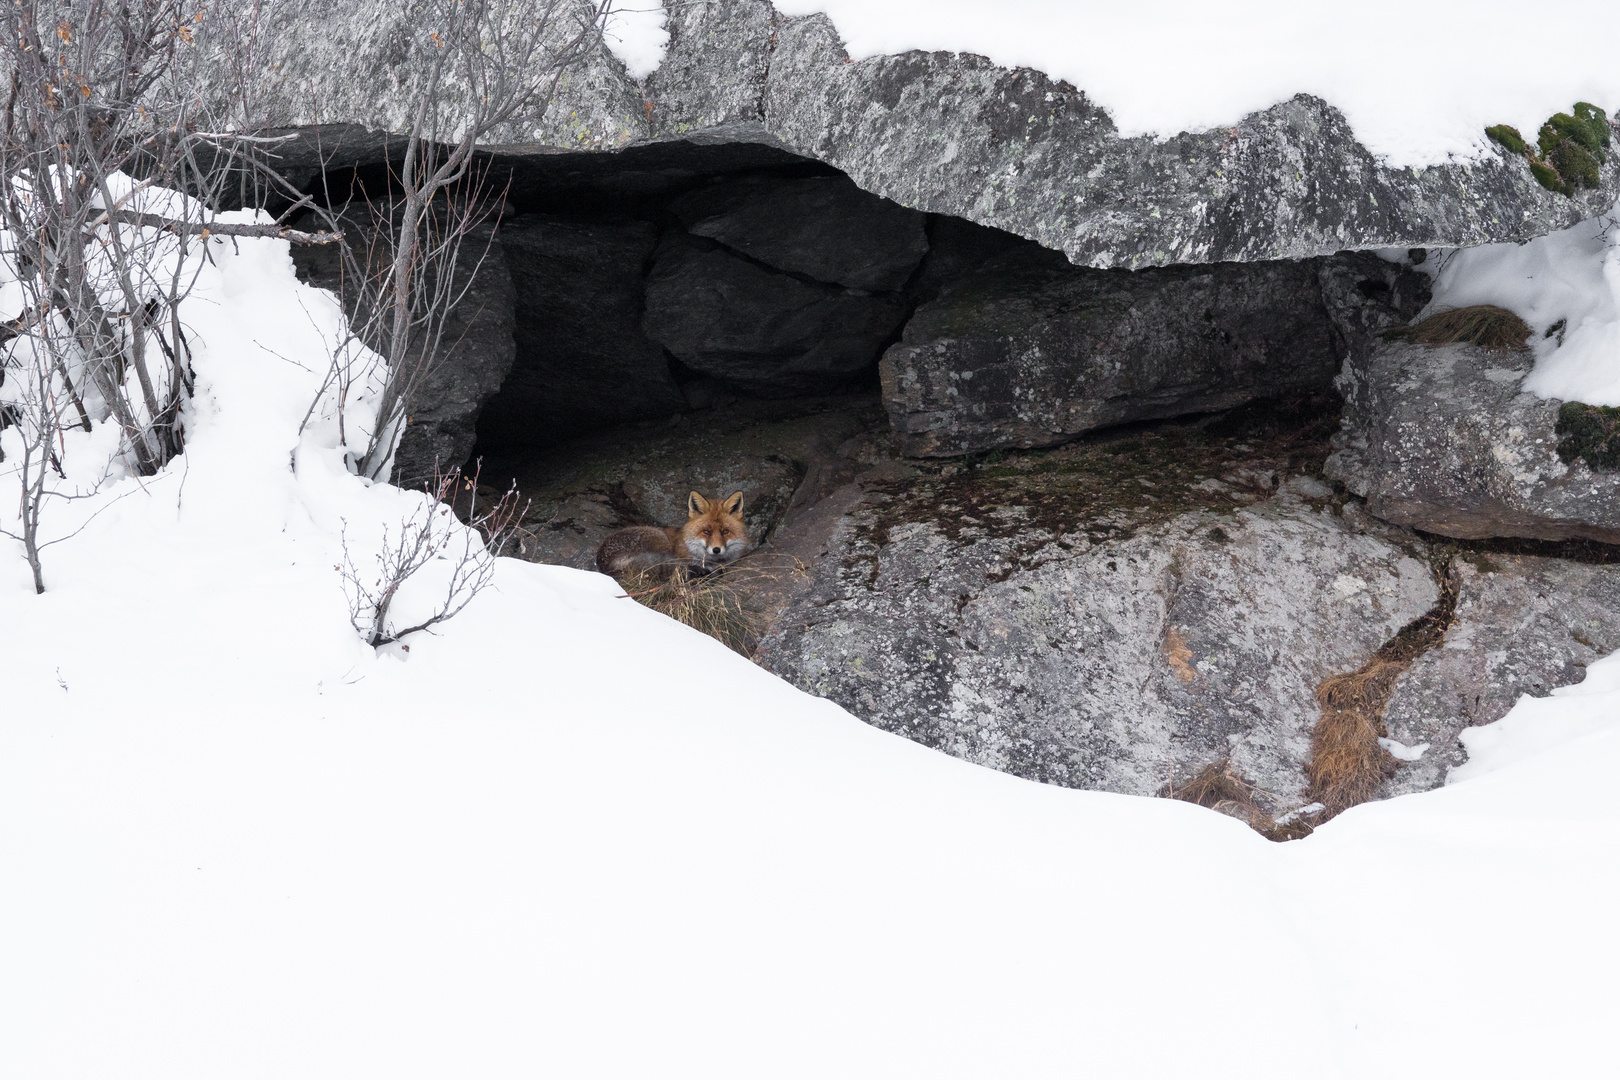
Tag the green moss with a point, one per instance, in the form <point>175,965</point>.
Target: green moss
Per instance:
<point>1587,134</point>
<point>1591,433</point>
<point>1596,119</point>
<point>1548,177</point>
<point>1507,137</point>
<point>1547,138</point>
<point>1571,145</point>
<point>1575,164</point>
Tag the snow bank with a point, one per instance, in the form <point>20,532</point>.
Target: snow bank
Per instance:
<point>1418,81</point>
<point>566,836</point>
<point>1566,286</point>
<point>634,32</point>
<point>1536,725</point>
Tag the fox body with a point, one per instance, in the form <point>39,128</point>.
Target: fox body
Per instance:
<point>712,536</point>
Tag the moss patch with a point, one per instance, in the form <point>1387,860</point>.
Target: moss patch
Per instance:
<point>1572,145</point>
<point>1507,137</point>
<point>1590,433</point>
<point>1485,325</point>
<point>1576,164</point>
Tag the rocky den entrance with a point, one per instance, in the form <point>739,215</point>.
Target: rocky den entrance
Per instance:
<point>1080,525</point>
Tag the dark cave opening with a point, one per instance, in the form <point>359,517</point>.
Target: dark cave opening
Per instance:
<point>682,315</point>
<point>664,281</point>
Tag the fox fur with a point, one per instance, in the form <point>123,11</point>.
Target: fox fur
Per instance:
<point>713,535</point>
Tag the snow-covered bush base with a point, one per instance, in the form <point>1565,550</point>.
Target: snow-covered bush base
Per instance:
<point>565,836</point>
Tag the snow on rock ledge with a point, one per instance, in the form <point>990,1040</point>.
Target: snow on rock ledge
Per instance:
<point>954,133</point>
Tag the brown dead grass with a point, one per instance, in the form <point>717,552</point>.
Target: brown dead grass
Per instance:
<point>1347,763</point>
<point>708,603</point>
<point>1218,787</point>
<point>721,604</point>
<point>1485,325</point>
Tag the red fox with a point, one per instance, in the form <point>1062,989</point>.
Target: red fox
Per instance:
<point>712,536</point>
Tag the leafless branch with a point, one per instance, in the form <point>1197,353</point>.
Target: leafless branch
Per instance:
<point>431,533</point>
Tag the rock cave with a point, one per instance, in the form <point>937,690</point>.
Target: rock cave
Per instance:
<point>1110,478</point>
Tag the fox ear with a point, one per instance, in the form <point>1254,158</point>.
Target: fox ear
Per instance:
<point>734,504</point>
<point>696,505</point>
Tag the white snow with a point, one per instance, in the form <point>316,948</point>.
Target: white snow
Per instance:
<point>1418,80</point>
<point>1589,709</point>
<point>634,32</point>
<point>567,837</point>
<point>1401,751</point>
<point>1571,278</point>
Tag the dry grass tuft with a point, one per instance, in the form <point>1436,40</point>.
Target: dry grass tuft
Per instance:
<point>1347,763</point>
<point>707,603</point>
<point>1485,325</point>
<point>726,604</point>
<point>1218,788</point>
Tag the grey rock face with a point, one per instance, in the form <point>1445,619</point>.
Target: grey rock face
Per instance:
<point>1442,439</point>
<point>364,61</point>
<point>1111,614</point>
<point>1365,294</point>
<point>583,362</point>
<point>1525,625</point>
<point>767,332</point>
<point>950,133</point>
<point>955,134</point>
<point>821,226</point>
<point>475,356</point>
<point>1080,635</point>
<point>1024,356</point>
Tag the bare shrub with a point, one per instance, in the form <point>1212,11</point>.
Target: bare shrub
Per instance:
<point>431,533</point>
<point>97,97</point>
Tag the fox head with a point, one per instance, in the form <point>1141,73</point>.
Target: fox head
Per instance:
<point>714,530</point>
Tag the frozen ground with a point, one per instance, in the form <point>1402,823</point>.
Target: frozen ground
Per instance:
<point>567,837</point>
<point>1419,80</point>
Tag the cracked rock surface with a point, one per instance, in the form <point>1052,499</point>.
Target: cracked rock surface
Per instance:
<point>1525,625</point>
<point>1442,439</point>
<point>1097,616</point>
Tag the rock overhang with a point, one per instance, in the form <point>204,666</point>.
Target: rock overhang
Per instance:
<point>954,133</point>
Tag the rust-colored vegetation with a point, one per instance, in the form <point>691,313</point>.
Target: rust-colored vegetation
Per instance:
<point>1485,325</point>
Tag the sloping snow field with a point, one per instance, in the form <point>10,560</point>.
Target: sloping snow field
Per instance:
<point>567,837</point>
